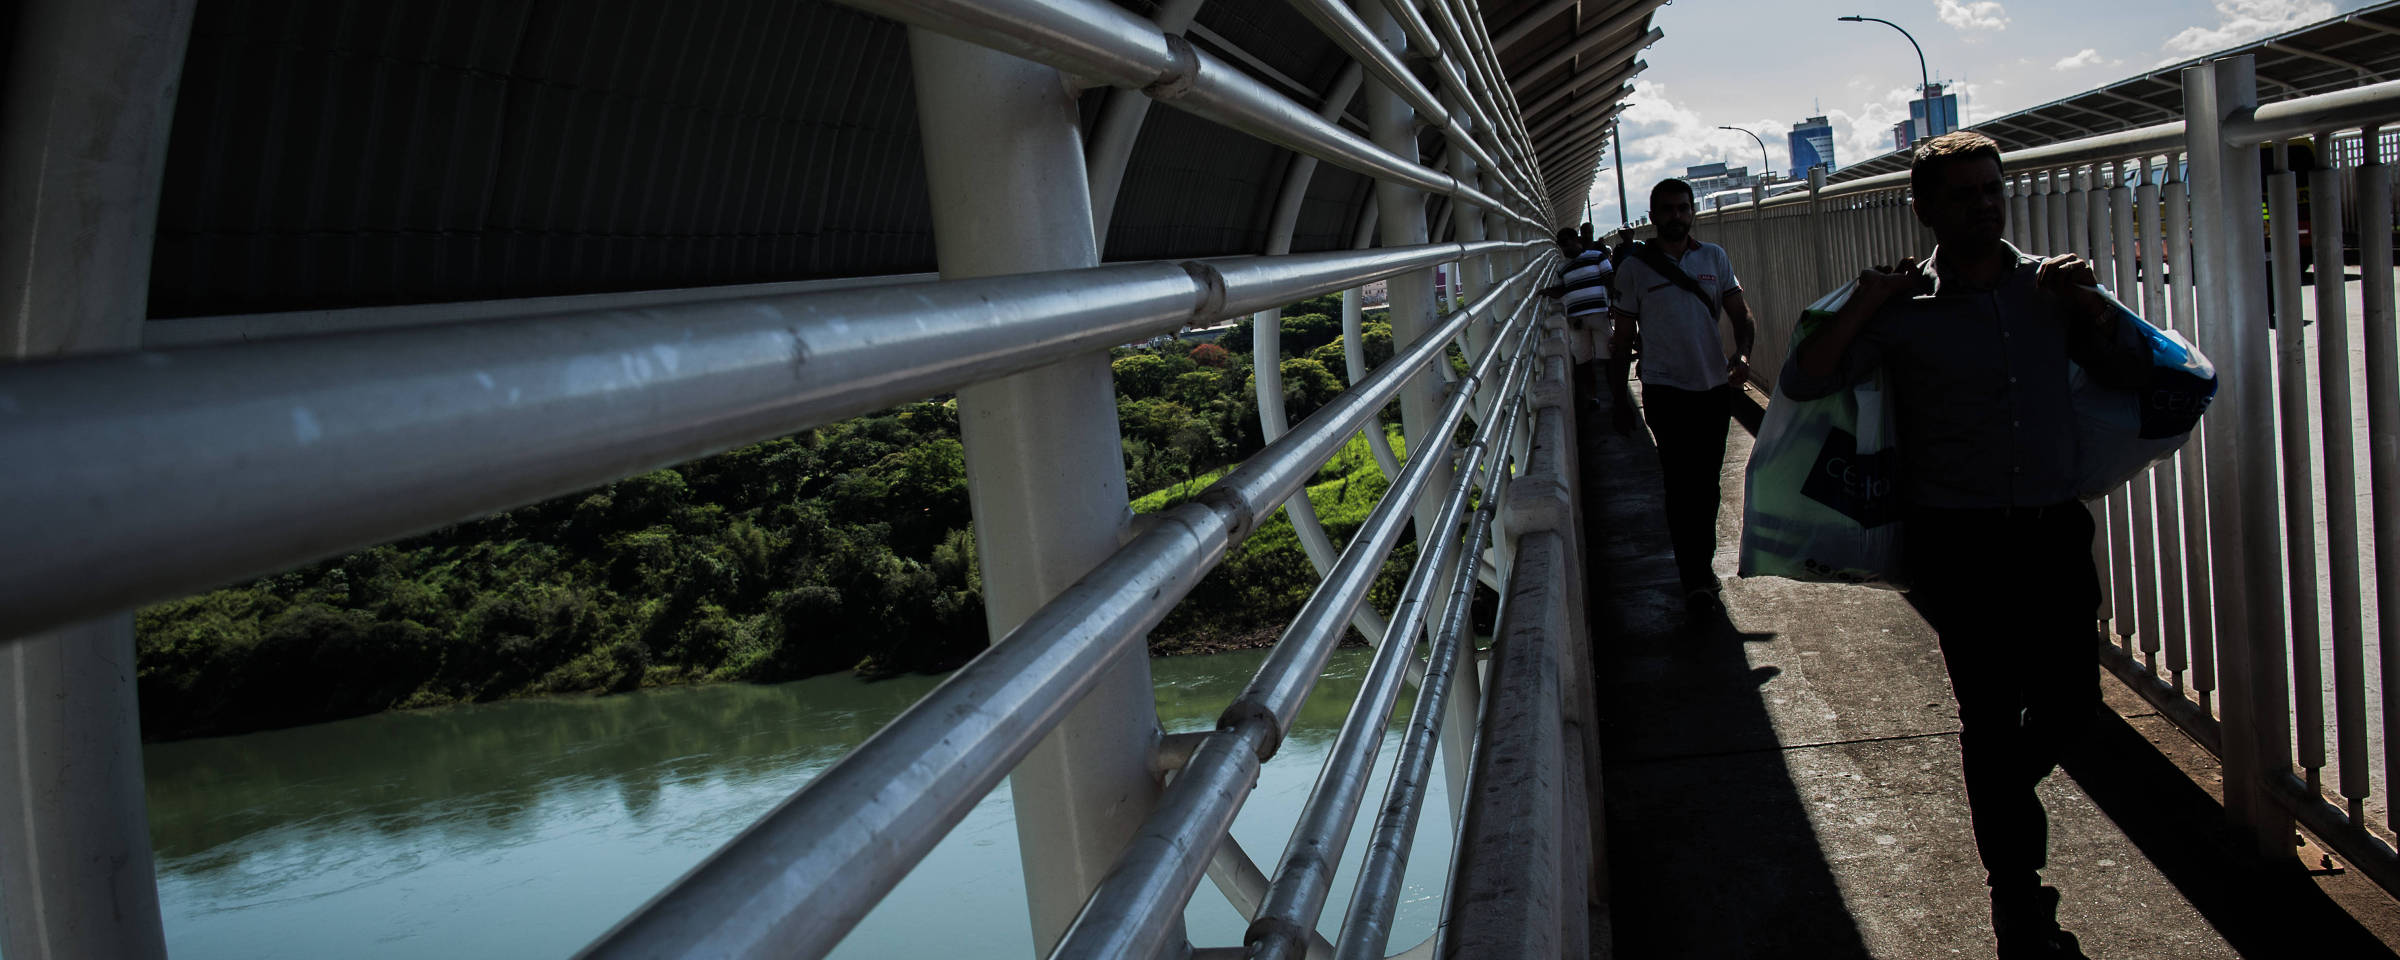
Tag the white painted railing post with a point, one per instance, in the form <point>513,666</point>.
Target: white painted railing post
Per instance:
<point>1005,170</point>
<point>88,111</point>
<point>2228,243</point>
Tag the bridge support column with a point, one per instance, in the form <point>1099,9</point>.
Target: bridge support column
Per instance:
<point>1402,223</point>
<point>1005,169</point>
<point>89,100</point>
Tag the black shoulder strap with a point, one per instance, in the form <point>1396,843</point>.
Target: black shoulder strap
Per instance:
<point>1659,263</point>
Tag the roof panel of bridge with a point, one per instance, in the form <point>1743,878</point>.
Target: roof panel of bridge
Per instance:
<point>2336,54</point>
<point>328,156</point>
<point>1565,60</point>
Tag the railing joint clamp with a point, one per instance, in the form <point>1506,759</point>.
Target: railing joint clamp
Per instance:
<point>1182,73</point>
<point>1240,519</point>
<point>1247,712</point>
<point>1271,929</point>
<point>1211,301</point>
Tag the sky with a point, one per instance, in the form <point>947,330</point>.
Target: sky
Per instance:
<point>1767,64</point>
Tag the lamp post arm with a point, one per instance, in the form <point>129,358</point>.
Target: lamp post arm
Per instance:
<point>1765,166</point>
<point>1924,77</point>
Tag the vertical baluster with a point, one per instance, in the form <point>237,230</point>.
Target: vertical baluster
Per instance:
<point>2063,222</point>
<point>1902,218</point>
<point>1887,221</point>
<point>2383,428</point>
<point>2341,483</point>
<point>2074,235</point>
<point>2037,229</point>
<point>2008,200</point>
<point>1868,254</point>
<point>2299,513</point>
<point>2162,482</point>
<point>1879,241</point>
<point>2099,241</point>
<point>2020,211</point>
<point>2142,567</point>
<point>1834,213</point>
<point>1877,246</point>
<point>2192,461</point>
<point>2095,222</point>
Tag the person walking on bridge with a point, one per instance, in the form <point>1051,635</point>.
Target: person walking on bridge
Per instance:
<point>1669,293</point>
<point>1974,343</point>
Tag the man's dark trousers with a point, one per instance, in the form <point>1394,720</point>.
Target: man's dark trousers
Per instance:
<point>1689,427</point>
<point>2015,598</point>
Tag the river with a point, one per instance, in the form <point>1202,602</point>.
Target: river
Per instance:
<point>525,829</point>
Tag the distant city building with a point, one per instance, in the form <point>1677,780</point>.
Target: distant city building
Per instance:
<point>1812,144</point>
<point>1920,125</point>
<point>1709,178</point>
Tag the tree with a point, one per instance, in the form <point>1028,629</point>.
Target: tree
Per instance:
<point>1211,355</point>
<point>1139,376</point>
<point>1199,388</point>
<point>1330,357</point>
<point>1308,331</point>
<point>1307,385</point>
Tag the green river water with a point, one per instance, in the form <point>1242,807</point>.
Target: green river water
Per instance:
<point>525,829</point>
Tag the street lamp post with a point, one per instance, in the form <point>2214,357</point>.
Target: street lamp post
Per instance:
<point>1616,143</point>
<point>1766,169</point>
<point>1924,79</point>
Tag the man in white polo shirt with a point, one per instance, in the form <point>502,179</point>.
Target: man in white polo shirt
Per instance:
<point>1670,292</point>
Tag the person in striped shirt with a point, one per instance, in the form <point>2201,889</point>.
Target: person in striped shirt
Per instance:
<point>1584,290</point>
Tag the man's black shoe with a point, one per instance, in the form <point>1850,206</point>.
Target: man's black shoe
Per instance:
<point>1702,601</point>
<point>2026,924</point>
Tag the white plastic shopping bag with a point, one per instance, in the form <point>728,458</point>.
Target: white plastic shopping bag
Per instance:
<point>1823,495</point>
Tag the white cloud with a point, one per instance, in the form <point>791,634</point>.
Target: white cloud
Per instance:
<point>1663,137</point>
<point>2239,21</point>
<point>2088,57</point>
<point>1966,15</point>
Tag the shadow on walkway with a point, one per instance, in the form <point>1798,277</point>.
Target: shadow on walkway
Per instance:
<point>1711,852</point>
<point>2261,910</point>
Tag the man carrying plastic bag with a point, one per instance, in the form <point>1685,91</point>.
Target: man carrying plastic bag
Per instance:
<point>1973,348</point>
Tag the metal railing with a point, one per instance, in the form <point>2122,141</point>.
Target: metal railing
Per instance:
<point>208,462</point>
<point>2238,569</point>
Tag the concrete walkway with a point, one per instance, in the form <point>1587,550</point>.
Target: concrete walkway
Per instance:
<point>1783,781</point>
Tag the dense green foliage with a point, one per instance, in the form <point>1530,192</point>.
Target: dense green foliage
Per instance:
<point>848,546</point>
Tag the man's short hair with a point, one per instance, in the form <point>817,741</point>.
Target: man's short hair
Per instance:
<point>1673,185</point>
<point>1956,147</point>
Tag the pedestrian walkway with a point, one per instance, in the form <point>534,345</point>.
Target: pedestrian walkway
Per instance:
<point>1782,780</point>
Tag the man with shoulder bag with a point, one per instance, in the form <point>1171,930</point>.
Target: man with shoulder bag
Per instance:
<point>1669,292</point>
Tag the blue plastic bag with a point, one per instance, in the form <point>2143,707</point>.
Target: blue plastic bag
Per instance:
<point>2119,433</point>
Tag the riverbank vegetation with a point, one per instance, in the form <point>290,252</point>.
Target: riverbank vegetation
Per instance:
<point>844,547</point>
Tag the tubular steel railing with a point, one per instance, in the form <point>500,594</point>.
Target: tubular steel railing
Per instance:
<point>2238,570</point>
<point>212,460</point>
